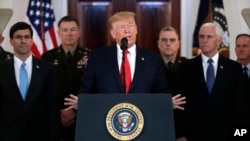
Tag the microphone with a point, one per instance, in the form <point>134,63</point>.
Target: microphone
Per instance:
<point>124,43</point>
<point>124,47</point>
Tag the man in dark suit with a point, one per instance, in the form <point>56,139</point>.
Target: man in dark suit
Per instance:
<point>102,74</point>
<point>4,55</point>
<point>210,114</point>
<point>168,45</point>
<point>69,61</point>
<point>242,50</point>
<point>28,109</point>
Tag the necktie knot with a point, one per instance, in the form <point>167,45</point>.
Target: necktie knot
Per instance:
<point>69,56</point>
<point>170,64</point>
<point>245,72</point>
<point>126,52</point>
<point>210,61</point>
<point>23,65</point>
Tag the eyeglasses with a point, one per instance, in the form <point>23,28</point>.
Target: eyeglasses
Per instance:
<point>171,40</point>
<point>20,37</point>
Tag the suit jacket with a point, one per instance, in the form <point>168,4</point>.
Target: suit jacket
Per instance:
<point>102,73</point>
<point>209,117</point>
<point>37,117</point>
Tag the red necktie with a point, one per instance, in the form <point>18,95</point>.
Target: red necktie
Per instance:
<point>127,73</point>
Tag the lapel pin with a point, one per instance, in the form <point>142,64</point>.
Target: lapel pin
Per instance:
<point>221,67</point>
<point>37,66</point>
<point>142,59</point>
<point>55,62</point>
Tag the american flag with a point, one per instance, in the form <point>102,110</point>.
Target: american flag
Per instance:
<point>41,16</point>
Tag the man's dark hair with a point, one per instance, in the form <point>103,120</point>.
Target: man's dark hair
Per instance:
<point>68,19</point>
<point>20,26</point>
<point>242,34</point>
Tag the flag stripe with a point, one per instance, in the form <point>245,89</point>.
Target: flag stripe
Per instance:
<point>41,16</point>
<point>53,36</point>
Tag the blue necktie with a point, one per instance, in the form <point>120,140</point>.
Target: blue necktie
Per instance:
<point>245,69</point>
<point>23,84</point>
<point>210,75</point>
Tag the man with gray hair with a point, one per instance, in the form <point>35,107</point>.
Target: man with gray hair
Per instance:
<point>212,92</point>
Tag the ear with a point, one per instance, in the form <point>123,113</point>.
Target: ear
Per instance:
<point>112,33</point>
<point>11,42</point>
<point>219,41</point>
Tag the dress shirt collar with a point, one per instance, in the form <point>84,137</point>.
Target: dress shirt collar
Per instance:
<point>19,62</point>
<point>214,58</point>
<point>132,50</point>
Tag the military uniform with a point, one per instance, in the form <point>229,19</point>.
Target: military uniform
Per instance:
<point>171,72</point>
<point>68,75</point>
<point>4,55</point>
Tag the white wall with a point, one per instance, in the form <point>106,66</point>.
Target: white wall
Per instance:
<point>235,21</point>
<point>19,8</point>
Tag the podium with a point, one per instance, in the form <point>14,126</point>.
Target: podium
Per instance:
<point>137,117</point>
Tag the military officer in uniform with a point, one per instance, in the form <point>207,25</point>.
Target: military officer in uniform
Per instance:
<point>69,61</point>
<point>168,45</point>
<point>4,55</point>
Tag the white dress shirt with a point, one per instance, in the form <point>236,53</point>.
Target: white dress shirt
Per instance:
<point>28,67</point>
<point>205,64</point>
<point>131,58</point>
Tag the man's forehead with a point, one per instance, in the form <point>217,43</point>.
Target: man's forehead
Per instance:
<point>22,32</point>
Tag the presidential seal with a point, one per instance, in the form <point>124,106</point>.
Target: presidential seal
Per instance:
<point>124,121</point>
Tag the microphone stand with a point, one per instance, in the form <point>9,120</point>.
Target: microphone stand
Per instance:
<point>124,47</point>
<point>123,71</point>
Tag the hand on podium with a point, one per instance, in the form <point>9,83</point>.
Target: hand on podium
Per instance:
<point>177,100</point>
<point>71,101</point>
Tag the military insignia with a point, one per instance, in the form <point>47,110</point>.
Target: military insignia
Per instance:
<point>124,121</point>
<point>83,62</point>
<point>8,57</point>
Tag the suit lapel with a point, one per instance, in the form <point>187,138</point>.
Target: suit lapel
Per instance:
<point>34,78</point>
<point>219,74</point>
<point>12,77</point>
<point>112,55</point>
<point>139,67</point>
<point>199,73</point>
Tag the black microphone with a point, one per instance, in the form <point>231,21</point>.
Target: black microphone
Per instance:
<point>124,43</point>
<point>124,47</point>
